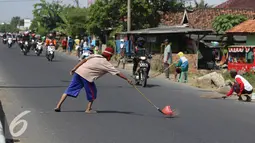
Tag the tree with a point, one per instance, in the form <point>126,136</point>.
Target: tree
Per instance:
<point>46,15</point>
<point>105,14</point>
<point>74,20</point>
<point>223,23</point>
<point>21,22</point>
<point>202,4</point>
<point>15,22</point>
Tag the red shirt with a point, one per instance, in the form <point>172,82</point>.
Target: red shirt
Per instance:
<point>241,85</point>
<point>64,43</point>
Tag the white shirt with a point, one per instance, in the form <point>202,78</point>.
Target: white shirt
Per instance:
<point>247,85</point>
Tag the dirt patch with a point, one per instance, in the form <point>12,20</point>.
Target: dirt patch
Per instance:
<point>211,96</point>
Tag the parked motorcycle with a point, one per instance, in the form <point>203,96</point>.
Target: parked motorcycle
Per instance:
<point>9,42</point>
<point>38,49</point>
<point>143,68</point>
<point>50,52</point>
<point>26,48</point>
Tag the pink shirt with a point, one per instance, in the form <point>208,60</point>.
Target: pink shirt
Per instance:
<point>96,67</point>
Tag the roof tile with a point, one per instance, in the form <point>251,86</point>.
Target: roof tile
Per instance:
<point>245,27</point>
<point>241,4</point>
<point>203,18</point>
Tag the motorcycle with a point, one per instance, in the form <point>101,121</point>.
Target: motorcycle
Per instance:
<point>25,48</point>
<point>14,39</point>
<point>85,53</point>
<point>4,40</point>
<point>50,52</point>
<point>20,42</point>
<point>33,44</point>
<point>9,42</point>
<point>141,75</point>
<point>38,49</point>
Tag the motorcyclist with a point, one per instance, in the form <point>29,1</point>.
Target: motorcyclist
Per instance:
<point>33,41</point>
<point>4,36</point>
<point>140,51</point>
<point>25,38</point>
<point>50,41</point>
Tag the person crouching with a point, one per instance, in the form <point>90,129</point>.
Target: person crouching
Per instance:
<point>84,75</point>
<point>240,86</point>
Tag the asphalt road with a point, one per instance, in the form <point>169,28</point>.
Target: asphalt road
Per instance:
<point>31,83</point>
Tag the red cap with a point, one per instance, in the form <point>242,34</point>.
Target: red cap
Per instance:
<point>108,52</point>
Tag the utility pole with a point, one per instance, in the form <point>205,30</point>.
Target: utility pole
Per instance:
<point>129,16</point>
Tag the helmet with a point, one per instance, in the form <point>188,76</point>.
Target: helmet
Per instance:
<point>50,35</point>
<point>26,33</point>
<point>140,41</point>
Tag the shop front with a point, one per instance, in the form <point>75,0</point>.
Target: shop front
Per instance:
<point>241,57</point>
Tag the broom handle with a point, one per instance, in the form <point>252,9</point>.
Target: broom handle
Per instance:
<point>145,96</point>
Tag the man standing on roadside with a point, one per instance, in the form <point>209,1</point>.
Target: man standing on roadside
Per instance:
<point>84,75</point>
<point>167,59</point>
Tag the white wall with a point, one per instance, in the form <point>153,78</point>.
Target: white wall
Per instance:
<point>27,23</point>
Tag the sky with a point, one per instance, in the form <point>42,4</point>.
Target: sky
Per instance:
<point>23,8</point>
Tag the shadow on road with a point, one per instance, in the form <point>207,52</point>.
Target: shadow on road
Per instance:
<point>108,112</point>
<point>6,130</point>
<point>118,112</point>
<point>61,86</point>
<point>151,85</point>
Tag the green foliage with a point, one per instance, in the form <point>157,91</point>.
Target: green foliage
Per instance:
<point>111,43</point>
<point>74,20</point>
<point>106,14</point>
<point>103,17</point>
<point>12,27</point>
<point>46,15</point>
<point>202,4</point>
<point>223,23</point>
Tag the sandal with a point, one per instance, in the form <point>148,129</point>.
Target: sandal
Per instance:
<point>57,110</point>
<point>91,112</point>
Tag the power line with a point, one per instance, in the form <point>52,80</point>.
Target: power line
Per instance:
<point>2,1</point>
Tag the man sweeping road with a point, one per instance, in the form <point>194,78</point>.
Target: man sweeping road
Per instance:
<point>84,75</point>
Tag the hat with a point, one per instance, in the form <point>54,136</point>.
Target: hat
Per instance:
<point>108,52</point>
<point>166,40</point>
<point>180,54</point>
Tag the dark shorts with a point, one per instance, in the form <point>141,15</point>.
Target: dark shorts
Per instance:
<point>77,84</point>
<point>236,88</point>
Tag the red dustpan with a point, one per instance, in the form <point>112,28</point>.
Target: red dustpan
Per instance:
<point>169,112</point>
